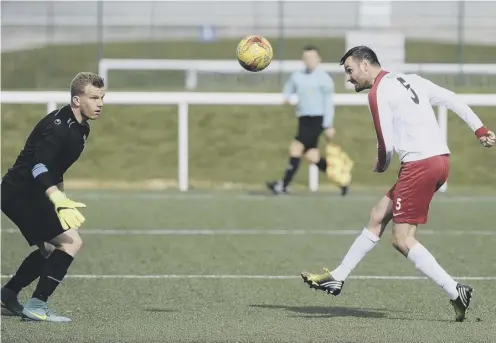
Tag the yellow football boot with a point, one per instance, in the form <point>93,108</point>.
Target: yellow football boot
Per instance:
<point>324,282</point>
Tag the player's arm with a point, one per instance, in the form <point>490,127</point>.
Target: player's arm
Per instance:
<point>46,150</point>
<point>289,88</point>
<point>442,96</point>
<point>382,116</point>
<point>328,93</point>
<point>54,137</point>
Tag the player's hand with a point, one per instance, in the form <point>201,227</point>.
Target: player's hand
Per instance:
<point>376,168</point>
<point>67,210</point>
<point>488,140</point>
<point>330,132</point>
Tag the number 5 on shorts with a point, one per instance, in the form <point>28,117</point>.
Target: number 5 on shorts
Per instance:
<point>398,204</point>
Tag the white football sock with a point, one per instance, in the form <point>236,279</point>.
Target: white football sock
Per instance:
<point>427,265</point>
<point>362,245</point>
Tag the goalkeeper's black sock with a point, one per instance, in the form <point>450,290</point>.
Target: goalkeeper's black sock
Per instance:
<point>294,162</point>
<point>29,270</point>
<point>322,165</point>
<point>53,273</point>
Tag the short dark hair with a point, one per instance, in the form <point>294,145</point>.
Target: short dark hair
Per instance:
<point>311,47</point>
<point>361,53</point>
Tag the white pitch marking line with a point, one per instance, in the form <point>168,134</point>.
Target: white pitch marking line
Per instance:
<point>259,277</point>
<point>259,232</point>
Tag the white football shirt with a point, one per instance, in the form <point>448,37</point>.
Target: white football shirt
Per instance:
<point>405,122</point>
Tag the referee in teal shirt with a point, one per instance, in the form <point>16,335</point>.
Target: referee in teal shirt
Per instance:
<point>315,111</point>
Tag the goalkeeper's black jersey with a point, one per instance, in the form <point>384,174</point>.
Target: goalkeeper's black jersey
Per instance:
<point>53,146</point>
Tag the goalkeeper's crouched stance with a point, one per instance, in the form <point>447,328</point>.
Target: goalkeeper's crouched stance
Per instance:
<point>32,197</point>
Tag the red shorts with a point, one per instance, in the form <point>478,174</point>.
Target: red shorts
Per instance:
<point>416,185</point>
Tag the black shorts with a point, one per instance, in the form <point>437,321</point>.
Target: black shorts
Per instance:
<point>32,212</point>
<point>309,130</point>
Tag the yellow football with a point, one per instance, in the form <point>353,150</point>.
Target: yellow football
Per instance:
<point>254,53</point>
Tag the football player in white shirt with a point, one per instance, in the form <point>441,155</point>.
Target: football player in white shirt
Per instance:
<point>405,123</point>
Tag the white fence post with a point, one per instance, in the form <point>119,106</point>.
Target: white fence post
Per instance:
<point>191,79</point>
<point>313,178</point>
<point>51,106</point>
<point>103,71</point>
<point>183,146</point>
<point>442,119</point>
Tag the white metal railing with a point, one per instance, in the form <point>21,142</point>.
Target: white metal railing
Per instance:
<point>183,99</point>
<point>192,67</point>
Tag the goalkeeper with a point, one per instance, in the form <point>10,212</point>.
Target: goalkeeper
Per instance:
<point>315,112</point>
<point>33,198</point>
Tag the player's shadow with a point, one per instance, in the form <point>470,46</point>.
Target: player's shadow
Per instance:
<point>301,194</point>
<point>327,311</point>
<point>159,310</point>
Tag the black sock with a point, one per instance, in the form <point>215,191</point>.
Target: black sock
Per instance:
<point>53,273</point>
<point>294,162</point>
<point>29,270</point>
<point>322,165</point>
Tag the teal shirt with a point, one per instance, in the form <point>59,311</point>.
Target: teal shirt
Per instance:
<point>315,92</point>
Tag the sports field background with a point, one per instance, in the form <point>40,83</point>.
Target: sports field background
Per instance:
<point>229,146</point>
<point>224,267</point>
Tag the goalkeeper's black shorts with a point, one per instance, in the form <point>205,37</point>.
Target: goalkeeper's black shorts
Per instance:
<point>309,130</point>
<point>32,212</point>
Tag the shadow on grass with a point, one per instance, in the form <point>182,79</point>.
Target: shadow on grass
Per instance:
<point>159,310</point>
<point>298,194</point>
<point>329,312</point>
<point>7,313</point>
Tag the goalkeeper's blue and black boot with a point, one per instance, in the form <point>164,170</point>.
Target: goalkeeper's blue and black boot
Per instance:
<point>462,303</point>
<point>10,301</point>
<point>37,310</point>
<point>277,187</point>
<point>324,282</point>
